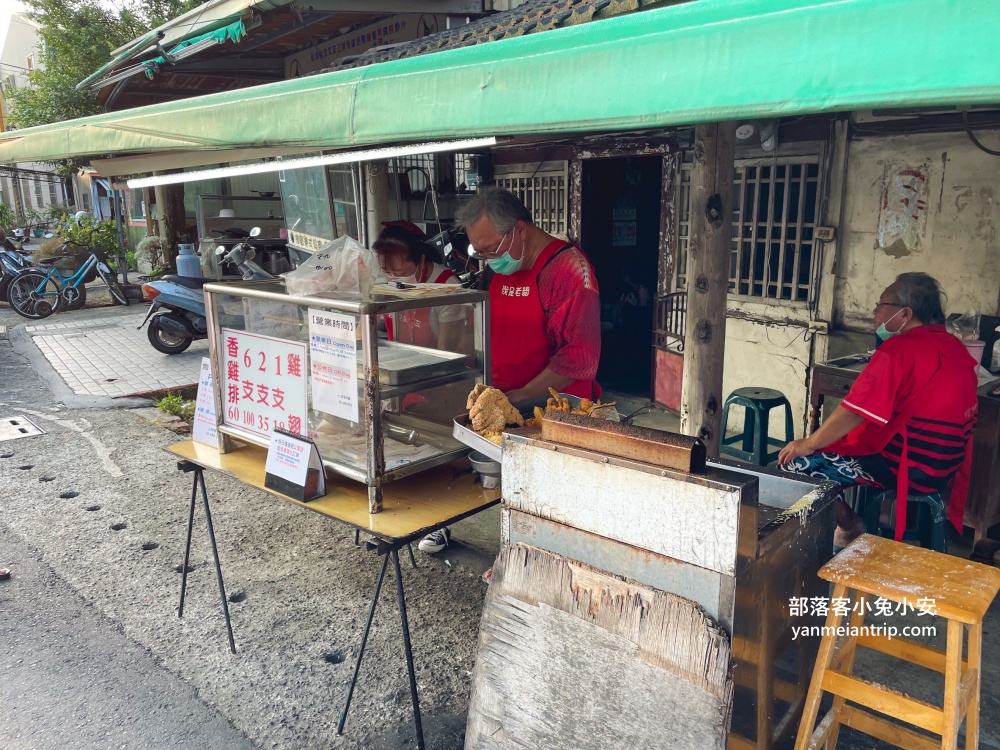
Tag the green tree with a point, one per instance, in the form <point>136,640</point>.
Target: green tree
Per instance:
<point>76,39</point>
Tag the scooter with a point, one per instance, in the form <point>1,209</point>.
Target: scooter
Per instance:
<point>177,315</point>
<point>12,262</point>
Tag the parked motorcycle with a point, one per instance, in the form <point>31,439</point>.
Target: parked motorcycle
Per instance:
<point>12,262</point>
<point>177,315</point>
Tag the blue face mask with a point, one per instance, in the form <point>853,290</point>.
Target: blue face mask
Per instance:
<point>884,333</point>
<point>504,264</point>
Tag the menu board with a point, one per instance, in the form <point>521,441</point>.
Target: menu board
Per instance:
<point>265,383</point>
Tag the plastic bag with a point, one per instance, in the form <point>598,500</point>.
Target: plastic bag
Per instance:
<point>966,326</point>
<point>344,265</point>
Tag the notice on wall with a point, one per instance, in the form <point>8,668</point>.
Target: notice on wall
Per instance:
<point>623,234</point>
<point>902,219</point>
<point>204,430</point>
<point>265,383</point>
<point>333,354</point>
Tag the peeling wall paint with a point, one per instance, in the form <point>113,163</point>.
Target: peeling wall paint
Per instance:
<point>902,219</point>
<point>952,236</point>
<point>768,356</point>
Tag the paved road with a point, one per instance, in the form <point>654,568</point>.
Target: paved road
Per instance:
<point>73,679</point>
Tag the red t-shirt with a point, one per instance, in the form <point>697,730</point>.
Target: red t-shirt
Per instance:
<point>547,316</point>
<point>918,398</point>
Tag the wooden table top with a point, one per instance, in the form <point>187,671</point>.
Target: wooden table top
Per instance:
<point>412,506</point>
<point>961,590</point>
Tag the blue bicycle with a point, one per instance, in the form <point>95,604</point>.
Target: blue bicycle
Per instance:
<point>36,293</point>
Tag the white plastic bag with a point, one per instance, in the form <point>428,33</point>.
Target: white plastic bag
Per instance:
<point>343,265</point>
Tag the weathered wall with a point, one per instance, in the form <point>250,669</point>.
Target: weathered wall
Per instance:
<point>919,203</point>
<point>768,356</point>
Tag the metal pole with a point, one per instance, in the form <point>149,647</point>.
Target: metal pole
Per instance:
<point>119,206</point>
<point>364,642</point>
<point>409,650</point>
<point>218,567</point>
<point>187,548</point>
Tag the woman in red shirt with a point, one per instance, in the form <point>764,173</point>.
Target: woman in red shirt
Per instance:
<point>406,257</point>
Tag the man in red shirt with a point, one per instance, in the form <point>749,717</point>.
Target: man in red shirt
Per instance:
<point>545,309</point>
<point>907,422</point>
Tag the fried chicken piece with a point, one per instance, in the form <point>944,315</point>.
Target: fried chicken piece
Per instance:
<point>476,392</point>
<point>488,413</point>
<point>492,412</point>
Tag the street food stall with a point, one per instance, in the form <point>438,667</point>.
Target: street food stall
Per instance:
<point>628,514</point>
<point>377,410</point>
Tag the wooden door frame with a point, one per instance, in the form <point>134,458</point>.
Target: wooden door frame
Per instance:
<point>623,148</point>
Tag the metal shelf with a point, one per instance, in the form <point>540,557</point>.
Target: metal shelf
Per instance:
<point>391,391</point>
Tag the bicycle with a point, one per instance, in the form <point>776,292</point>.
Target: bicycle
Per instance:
<point>35,293</point>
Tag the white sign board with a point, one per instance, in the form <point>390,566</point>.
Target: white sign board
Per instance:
<point>623,234</point>
<point>265,383</point>
<point>333,357</point>
<point>294,467</point>
<point>203,430</point>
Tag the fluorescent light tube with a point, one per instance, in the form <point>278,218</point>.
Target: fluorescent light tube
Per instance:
<point>342,157</point>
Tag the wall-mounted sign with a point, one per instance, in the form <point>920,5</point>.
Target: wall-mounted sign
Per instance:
<point>404,27</point>
<point>623,233</point>
<point>624,210</point>
<point>264,383</point>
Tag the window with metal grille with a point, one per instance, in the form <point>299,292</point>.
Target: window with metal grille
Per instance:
<point>543,194</point>
<point>39,203</point>
<point>775,210</point>
<point>418,168</point>
<point>53,198</point>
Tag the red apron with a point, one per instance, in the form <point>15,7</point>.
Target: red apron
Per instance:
<point>520,347</point>
<point>415,325</point>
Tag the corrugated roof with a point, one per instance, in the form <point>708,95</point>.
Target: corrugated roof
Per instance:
<point>528,18</point>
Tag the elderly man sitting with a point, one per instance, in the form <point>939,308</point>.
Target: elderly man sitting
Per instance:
<point>907,422</point>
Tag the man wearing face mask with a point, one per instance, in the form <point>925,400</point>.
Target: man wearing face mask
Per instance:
<point>545,309</point>
<point>907,422</point>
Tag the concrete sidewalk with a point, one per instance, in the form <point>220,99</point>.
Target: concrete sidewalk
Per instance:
<point>101,354</point>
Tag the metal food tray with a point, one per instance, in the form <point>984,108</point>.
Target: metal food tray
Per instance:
<point>399,364</point>
<point>463,433</point>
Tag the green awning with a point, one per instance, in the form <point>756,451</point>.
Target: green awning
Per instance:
<point>231,33</point>
<point>139,46</point>
<point>703,61</point>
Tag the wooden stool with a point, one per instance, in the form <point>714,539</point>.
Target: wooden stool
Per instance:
<point>961,592</point>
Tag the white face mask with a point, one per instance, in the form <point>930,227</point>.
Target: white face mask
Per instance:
<point>411,279</point>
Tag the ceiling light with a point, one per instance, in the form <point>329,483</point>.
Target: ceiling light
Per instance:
<point>341,157</point>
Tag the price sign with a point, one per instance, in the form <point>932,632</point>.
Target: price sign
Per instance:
<point>265,383</point>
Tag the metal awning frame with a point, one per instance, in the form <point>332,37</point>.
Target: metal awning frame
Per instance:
<point>705,61</point>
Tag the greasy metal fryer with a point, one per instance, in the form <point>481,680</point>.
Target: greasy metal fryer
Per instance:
<point>738,540</point>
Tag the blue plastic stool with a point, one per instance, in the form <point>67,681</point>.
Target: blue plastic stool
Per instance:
<point>756,442</point>
<point>925,525</point>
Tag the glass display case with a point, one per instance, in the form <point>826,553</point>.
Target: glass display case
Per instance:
<point>375,382</point>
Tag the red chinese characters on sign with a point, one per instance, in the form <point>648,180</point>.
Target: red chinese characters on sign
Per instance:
<point>266,388</point>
